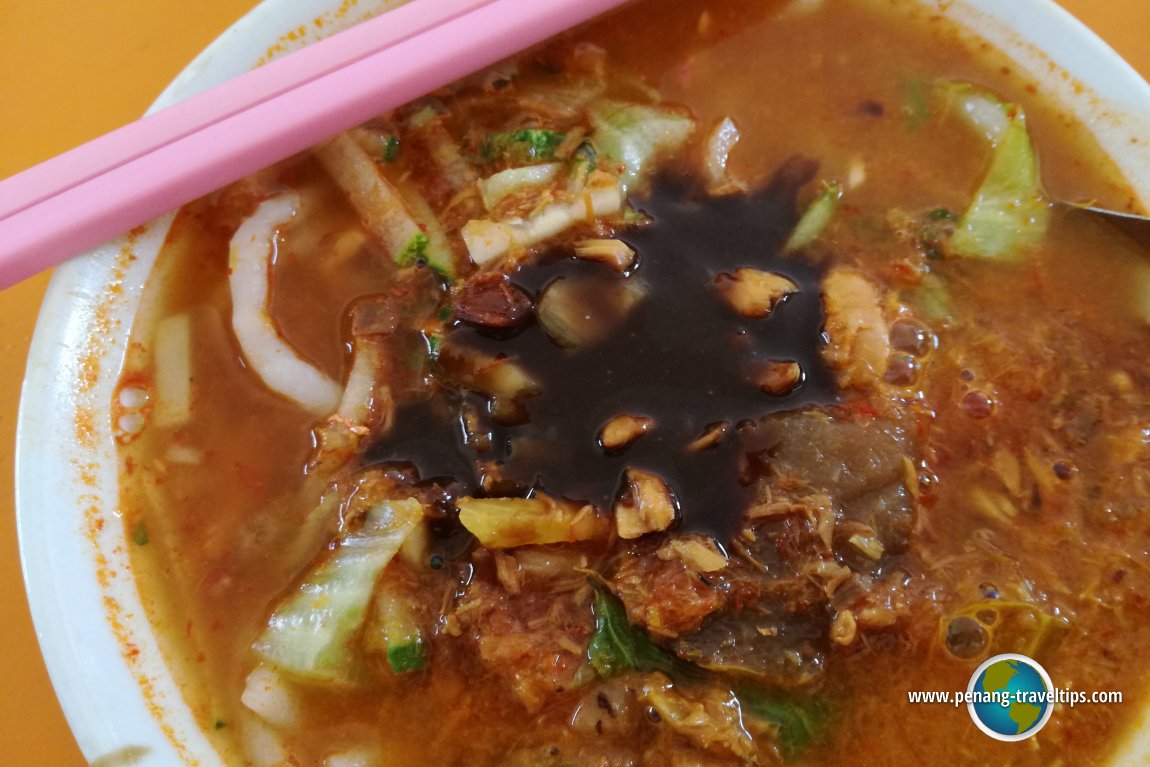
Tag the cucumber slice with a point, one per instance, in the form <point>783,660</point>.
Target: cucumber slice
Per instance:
<point>395,631</point>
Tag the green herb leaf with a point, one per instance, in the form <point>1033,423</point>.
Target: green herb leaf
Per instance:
<point>140,534</point>
<point>407,657</point>
<point>617,646</point>
<point>390,148</point>
<point>799,721</point>
<point>521,147</point>
<point>394,630</point>
<point>414,251</point>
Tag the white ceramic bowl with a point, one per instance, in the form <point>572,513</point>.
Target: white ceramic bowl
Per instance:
<point>115,689</point>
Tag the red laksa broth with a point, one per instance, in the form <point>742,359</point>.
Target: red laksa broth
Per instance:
<point>685,391</point>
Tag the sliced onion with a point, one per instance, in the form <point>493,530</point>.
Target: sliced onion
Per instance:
<point>985,112</point>
<point>488,240</point>
<point>172,356</point>
<point>362,388</point>
<point>495,188</point>
<point>801,8</point>
<point>266,695</point>
<point>357,757</point>
<point>262,745</point>
<point>717,149</point>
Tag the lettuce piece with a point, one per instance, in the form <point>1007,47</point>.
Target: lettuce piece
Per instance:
<point>310,634</point>
<point>931,300</point>
<point>633,135</point>
<point>1009,212</point>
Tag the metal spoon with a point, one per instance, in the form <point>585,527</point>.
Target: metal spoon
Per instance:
<point>1132,225</point>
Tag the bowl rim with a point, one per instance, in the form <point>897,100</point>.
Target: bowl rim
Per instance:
<point>108,672</point>
<point>114,687</point>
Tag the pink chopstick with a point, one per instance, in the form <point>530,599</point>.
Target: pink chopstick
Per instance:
<point>88,195</point>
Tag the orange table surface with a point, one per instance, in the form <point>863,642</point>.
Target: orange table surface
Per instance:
<point>70,70</point>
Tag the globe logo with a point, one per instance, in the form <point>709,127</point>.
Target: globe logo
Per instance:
<point>1010,697</point>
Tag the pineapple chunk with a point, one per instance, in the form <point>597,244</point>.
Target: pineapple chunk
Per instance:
<point>504,523</point>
